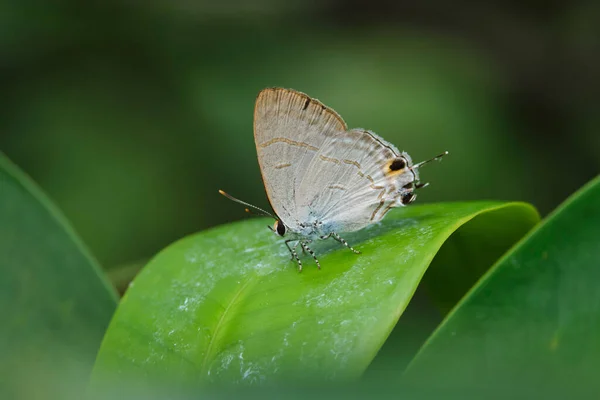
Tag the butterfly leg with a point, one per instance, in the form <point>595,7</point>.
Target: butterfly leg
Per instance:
<point>341,240</point>
<point>294,254</point>
<point>312,253</point>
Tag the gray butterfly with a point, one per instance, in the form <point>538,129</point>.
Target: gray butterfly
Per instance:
<point>322,178</point>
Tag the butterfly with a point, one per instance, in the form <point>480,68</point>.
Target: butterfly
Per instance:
<point>322,178</point>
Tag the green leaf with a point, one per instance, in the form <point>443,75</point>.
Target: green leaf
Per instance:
<point>228,306</point>
<point>54,301</point>
<point>534,320</point>
<point>457,266</point>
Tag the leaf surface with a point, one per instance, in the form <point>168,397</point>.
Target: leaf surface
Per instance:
<point>228,306</point>
<point>533,321</point>
<point>55,303</point>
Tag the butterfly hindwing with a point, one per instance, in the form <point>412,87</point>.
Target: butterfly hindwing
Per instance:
<point>349,184</point>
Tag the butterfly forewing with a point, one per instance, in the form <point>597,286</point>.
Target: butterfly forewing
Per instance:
<point>290,129</point>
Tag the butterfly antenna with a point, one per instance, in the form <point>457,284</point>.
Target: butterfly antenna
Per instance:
<point>262,212</point>
<point>249,211</point>
<point>436,158</point>
<point>418,165</point>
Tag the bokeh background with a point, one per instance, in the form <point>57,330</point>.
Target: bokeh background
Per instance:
<point>132,114</point>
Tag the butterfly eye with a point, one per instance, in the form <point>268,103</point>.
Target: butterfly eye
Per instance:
<point>279,228</point>
<point>397,164</point>
<point>408,198</point>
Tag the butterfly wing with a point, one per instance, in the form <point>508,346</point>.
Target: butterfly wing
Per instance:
<point>289,130</point>
<point>350,183</point>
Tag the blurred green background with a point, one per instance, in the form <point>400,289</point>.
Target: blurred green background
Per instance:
<point>131,115</point>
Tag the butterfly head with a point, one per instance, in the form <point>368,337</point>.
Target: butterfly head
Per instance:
<point>406,174</point>
<point>278,228</point>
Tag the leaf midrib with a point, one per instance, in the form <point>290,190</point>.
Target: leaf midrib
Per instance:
<point>210,349</point>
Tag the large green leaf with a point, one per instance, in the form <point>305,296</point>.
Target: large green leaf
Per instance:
<point>534,320</point>
<point>54,302</point>
<point>228,306</point>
